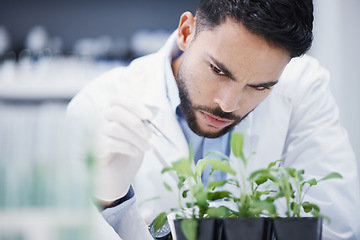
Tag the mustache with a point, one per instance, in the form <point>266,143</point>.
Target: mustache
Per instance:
<point>218,112</point>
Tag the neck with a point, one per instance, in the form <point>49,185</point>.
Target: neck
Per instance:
<point>176,64</point>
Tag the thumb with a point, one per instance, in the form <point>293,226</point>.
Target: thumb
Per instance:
<point>132,105</point>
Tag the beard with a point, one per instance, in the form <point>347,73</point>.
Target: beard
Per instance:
<point>188,109</point>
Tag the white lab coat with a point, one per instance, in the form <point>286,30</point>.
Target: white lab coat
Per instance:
<point>298,123</point>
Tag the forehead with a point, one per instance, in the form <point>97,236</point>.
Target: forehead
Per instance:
<point>240,50</point>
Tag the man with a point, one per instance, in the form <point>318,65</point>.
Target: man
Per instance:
<point>234,66</point>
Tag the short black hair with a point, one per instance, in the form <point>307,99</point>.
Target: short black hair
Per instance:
<point>287,24</point>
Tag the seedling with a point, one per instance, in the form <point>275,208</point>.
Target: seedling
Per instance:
<point>249,199</point>
<point>293,187</point>
<point>193,195</point>
<point>196,197</point>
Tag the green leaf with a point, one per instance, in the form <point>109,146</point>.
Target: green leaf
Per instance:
<point>258,194</point>
<point>215,184</point>
<point>184,193</point>
<point>166,169</point>
<point>200,195</point>
<point>280,194</point>
<point>317,214</point>
<point>291,171</point>
<point>183,167</point>
<point>189,228</point>
<point>181,182</point>
<point>220,154</point>
<point>180,185</point>
<point>272,164</point>
<point>261,206</point>
<point>237,144</point>
<point>299,175</point>
<point>261,179</point>
<point>189,205</point>
<point>257,173</point>
<point>224,166</point>
<point>159,221</point>
<point>200,165</point>
<point>167,186</point>
<point>261,176</point>
<point>295,208</point>
<point>312,182</point>
<point>182,179</point>
<point>308,207</point>
<point>219,212</point>
<point>331,175</point>
<point>314,206</point>
<point>213,196</point>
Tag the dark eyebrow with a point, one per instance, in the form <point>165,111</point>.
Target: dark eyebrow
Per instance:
<point>222,67</point>
<point>227,72</point>
<point>264,85</point>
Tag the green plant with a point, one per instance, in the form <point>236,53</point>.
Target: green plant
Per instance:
<point>249,200</point>
<point>249,197</point>
<point>293,187</point>
<point>194,196</point>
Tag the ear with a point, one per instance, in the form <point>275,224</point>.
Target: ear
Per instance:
<point>186,30</point>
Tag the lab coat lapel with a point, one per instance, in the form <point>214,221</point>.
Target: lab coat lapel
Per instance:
<point>168,124</point>
<point>164,118</point>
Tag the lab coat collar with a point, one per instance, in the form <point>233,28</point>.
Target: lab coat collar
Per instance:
<point>161,92</point>
<point>161,96</point>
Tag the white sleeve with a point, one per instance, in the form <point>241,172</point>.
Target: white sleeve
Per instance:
<point>132,225</point>
<point>102,230</point>
<point>113,215</point>
<point>318,143</point>
<point>126,220</point>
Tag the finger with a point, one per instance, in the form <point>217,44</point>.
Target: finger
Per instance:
<point>132,105</point>
<point>128,120</point>
<point>114,146</point>
<point>120,133</point>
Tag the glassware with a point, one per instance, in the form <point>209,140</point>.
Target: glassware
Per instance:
<point>44,184</point>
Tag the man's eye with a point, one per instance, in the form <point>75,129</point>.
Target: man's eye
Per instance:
<point>216,70</point>
<point>261,88</point>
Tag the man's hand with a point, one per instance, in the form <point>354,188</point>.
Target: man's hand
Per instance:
<point>123,139</point>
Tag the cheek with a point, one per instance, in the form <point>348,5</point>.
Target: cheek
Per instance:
<point>196,93</point>
<point>252,99</point>
<point>207,87</point>
<point>198,86</point>
<point>204,93</point>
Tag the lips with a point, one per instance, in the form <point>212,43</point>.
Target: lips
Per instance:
<point>216,121</point>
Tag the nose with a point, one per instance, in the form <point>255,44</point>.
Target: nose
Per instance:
<point>227,102</point>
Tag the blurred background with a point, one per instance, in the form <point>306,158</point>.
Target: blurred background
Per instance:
<point>336,45</point>
<point>50,49</point>
<point>71,25</point>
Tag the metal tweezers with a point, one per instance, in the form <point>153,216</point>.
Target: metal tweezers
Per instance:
<point>160,134</point>
<point>157,131</point>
